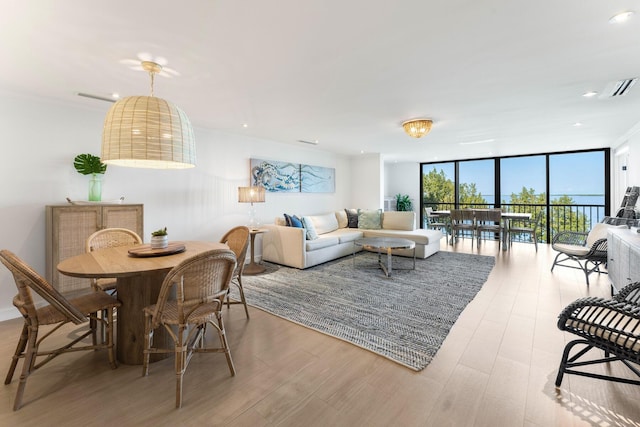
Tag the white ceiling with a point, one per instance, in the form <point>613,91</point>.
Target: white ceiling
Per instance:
<point>347,72</point>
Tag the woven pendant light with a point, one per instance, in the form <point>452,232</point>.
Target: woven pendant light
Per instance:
<point>148,132</point>
<point>417,128</point>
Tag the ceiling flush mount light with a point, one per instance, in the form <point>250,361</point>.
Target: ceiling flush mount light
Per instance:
<point>417,128</point>
<point>148,132</point>
<point>621,17</point>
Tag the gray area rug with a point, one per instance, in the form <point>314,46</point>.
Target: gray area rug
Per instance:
<point>404,318</point>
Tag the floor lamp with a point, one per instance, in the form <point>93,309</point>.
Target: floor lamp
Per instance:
<point>251,195</point>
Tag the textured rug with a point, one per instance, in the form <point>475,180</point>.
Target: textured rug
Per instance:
<point>404,318</point>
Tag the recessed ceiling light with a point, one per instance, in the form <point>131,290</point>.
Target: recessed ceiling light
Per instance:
<point>621,17</point>
<point>577,124</point>
<point>589,94</point>
<point>245,125</point>
<point>115,95</point>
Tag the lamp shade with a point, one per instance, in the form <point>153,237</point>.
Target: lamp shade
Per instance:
<point>251,194</point>
<point>148,132</point>
<point>417,128</point>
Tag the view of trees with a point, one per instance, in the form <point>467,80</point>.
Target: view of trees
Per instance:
<point>439,193</point>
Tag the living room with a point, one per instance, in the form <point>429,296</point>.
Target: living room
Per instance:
<point>43,132</point>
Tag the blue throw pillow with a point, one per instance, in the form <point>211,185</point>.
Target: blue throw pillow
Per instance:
<point>296,222</point>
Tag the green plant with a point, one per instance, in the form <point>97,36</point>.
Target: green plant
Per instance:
<point>161,232</point>
<point>403,202</point>
<point>88,164</point>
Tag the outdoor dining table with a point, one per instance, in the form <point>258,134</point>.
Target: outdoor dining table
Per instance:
<point>506,216</point>
<point>139,279</point>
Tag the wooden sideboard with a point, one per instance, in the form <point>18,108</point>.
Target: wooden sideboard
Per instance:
<point>624,257</point>
<point>68,226</point>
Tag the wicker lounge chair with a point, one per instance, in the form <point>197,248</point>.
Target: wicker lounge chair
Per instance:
<point>238,241</point>
<point>57,313</point>
<point>612,326</point>
<point>200,284</point>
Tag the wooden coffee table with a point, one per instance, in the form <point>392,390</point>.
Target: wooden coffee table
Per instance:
<point>378,244</point>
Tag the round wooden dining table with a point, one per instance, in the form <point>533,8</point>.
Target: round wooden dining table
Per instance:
<point>139,280</point>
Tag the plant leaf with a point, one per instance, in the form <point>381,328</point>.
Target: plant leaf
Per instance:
<point>88,164</point>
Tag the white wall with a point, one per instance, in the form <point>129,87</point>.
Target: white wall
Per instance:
<point>41,138</point>
<point>367,181</point>
<point>404,178</point>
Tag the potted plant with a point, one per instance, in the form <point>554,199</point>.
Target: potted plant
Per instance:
<point>88,164</point>
<point>403,202</point>
<point>159,239</point>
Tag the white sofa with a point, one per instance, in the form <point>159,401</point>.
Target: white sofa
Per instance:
<point>289,246</point>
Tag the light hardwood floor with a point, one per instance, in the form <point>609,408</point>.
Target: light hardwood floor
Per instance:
<point>497,367</point>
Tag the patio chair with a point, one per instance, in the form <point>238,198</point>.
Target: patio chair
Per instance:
<point>238,241</point>
<point>610,325</point>
<point>110,238</point>
<point>437,222</point>
<point>488,221</point>
<point>525,227</point>
<point>58,312</point>
<point>200,285</point>
<point>582,249</point>
<point>462,220</point>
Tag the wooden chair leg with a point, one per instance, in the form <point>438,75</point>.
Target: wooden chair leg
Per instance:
<point>22,343</point>
<point>108,328</point>
<point>27,367</point>
<point>225,344</point>
<point>180,356</point>
<point>147,344</point>
<point>242,298</point>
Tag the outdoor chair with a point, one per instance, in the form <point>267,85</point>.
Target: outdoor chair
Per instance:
<point>110,238</point>
<point>488,221</point>
<point>610,325</point>
<point>437,222</point>
<point>50,318</point>
<point>528,227</point>
<point>238,241</point>
<point>587,250</point>
<point>462,220</point>
<point>191,297</point>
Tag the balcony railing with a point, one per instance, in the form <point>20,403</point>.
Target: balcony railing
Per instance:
<point>556,218</point>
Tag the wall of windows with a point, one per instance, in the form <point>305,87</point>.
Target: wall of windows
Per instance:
<point>571,189</point>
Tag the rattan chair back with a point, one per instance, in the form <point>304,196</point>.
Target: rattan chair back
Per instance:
<point>238,241</point>
<point>198,287</point>
<point>112,237</point>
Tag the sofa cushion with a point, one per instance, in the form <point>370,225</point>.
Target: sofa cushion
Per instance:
<point>311,230</point>
<point>420,236</point>
<point>324,223</point>
<point>370,219</point>
<point>398,220</point>
<point>341,216</point>
<point>322,242</point>
<point>347,235</point>
<point>352,218</point>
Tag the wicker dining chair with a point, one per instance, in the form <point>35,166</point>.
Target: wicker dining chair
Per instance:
<point>58,312</point>
<point>610,325</point>
<point>200,285</point>
<point>110,238</point>
<point>238,241</point>
<point>488,221</point>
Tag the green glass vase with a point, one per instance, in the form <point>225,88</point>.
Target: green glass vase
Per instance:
<point>95,188</point>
